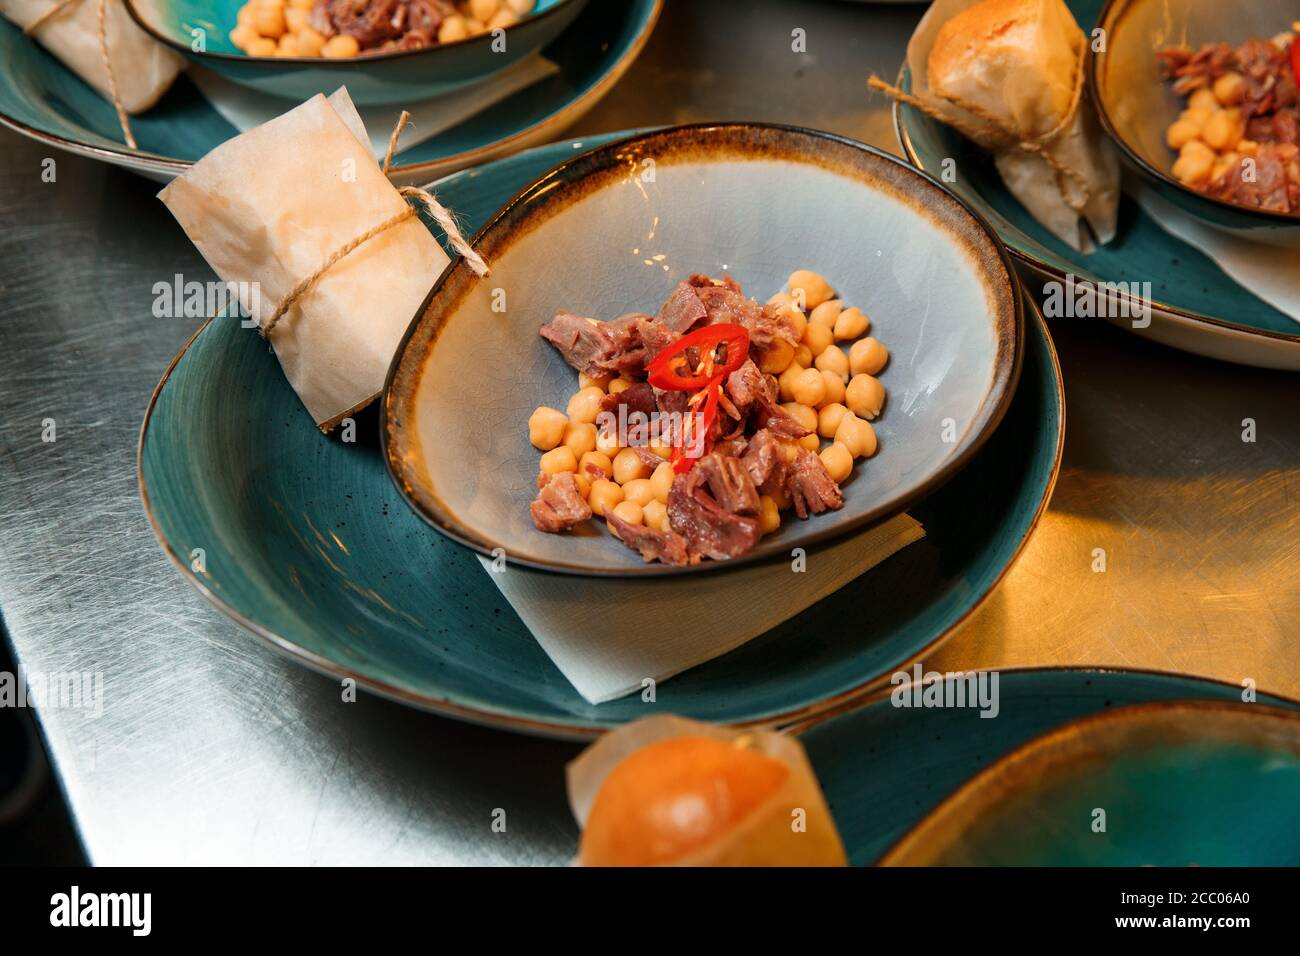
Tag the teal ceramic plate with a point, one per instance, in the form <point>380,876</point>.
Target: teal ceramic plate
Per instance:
<point>42,99</point>
<point>307,543</point>
<point>885,768</point>
<point>1195,305</point>
<point>1174,783</point>
<point>402,75</point>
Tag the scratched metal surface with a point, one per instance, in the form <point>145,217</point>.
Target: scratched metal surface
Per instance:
<point>212,749</point>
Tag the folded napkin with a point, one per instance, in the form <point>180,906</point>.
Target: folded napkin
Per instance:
<point>245,108</point>
<point>1268,271</point>
<point>607,636</point>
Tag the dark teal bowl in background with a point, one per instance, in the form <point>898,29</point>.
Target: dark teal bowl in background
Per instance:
<point>403,76</point>
<point>1136,105</point>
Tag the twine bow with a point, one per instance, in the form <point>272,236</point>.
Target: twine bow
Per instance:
<point>58,8</point>
<point>1036,144</point>
<point>425,200</point>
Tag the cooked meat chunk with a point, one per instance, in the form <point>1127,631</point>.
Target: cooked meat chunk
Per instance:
<point>708,529</point>
<point>638,398</point>
<point>728,482</point>
<point>666,546</point>
<point>747,385</point>
<point>762,455</point>
<point>655,336</point>
<point>811,487</point>
<point>683,310</point>
<point>559,505</point>
<point>776,419</point>
<point>597,348</point>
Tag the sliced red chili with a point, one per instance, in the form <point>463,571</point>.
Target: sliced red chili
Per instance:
<point>722,349</point>
<point>681,462</point>
<point>1295,59</point>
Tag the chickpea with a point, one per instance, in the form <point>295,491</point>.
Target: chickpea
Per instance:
<point>1180,133</point>
<point>630,512</point>
<point>502,19</point>
<point>1224,165</point>
<point>269,21</point>
<point>521,7</point>
<point>1248,147</point>
<point>805,415</point>
<point>584,406</point>
<point>808,388</point>
<point>583,483</point>
<point>834,387</point>
<point>782,299</point>
<point>310,42</point>
<point>1203,99</point>
<point>340,47</point>
<point>288,46</point>
<point>245,18</point>
<point>559,459</point>
<point>580,437</point>
<point>598,461</point>
<point>865,396</point>
<point>797,322</point>
<point>1193,164</point>
<point>818,337</point>
<point>619,385</point>
<point>655,513</point>
<point>833,359</point>
<point>829,418</point>
<point>867,356</point>
<point>546,427</point>
<point>777,358</point>
<point>838,461</point>
<point>816,290</point>
<point>661,482</point>
<point>295,20</point>
<point>785,381</point>
<point>589,381</point>
<point>826,313</point>
<point>661,448</point>
<point>302,4</point>
<point>1197,118</point>
<point>604,494</point>
<point>261,46</point>
<point>856,435</point>
<point>483,9</point>
<point>243,36</point>
<point>778,494</point>
<point>452,29</point>
<point>769,515</point>
<point>607,442</point>
<point>628,465</point>
<point>851,324</point>
<point>1229,89</point>
<point>475,27</point>
<point>639,490</point>
<point>803,356</point>
<point>1224,130</point>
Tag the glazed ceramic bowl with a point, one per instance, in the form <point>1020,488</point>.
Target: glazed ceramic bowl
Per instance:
<point>1137,105</point>
<point>1180,783</point>
<point>614,231</point>
<point>403,76</point>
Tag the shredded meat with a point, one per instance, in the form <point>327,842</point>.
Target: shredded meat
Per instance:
<point>597,348</point>
<point>709,530</point>
<point>560,505</point>
<point>762,456</point>
<point>683,310</point>
<point>811,487</point>
<point>381,25</point>
<point>637,398</point>
<point>666,546</point>
<point>728,481</point>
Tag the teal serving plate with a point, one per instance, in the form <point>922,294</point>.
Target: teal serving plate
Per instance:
<point>1195,305</point>
<point>1136,104</point>
<point>41,98</point>
<point>307,543</point>
<point>402,76</point>
<point>1173,783</point>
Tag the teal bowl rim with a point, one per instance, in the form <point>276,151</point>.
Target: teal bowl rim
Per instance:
<point>941,821</point>
<point>839,703</point>
<point>592,163</point>
<point>904,138</point>
<point>142,162</point>
<point>200,55</point>
<point>1116,8</point>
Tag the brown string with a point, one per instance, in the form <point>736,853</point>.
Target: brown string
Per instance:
<point>424,198</point>
<point>1037,144</point>
<point>59,7</point>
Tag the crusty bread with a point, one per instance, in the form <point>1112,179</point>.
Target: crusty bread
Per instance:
<point>986,55</point>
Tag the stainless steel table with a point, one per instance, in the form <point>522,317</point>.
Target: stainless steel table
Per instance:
<point>211,749</point>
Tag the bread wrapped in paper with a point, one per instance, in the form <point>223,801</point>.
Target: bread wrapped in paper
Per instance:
<point>270,207</point>
<point>670,791</point>
<point>1009,74</point>
<point>142,67</point>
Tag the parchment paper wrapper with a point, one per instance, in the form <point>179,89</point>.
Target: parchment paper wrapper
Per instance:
<point>271,205</point>
<point>764,838</point>
<point>1032,93</point>
<point>143,67</point>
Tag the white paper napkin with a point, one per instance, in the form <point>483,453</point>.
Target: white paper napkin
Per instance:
<point>245,108</point>
<point>607,636</point>
<point>1268,271</point>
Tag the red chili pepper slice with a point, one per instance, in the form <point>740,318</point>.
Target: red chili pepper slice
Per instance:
<point>1295,59</point>
<point>670,368</point>
<point>682,463</point>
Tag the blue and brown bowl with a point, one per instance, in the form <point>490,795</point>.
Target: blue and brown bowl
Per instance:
<point>1137,105</point>
<point>613,231</point>
<point>397,77</point>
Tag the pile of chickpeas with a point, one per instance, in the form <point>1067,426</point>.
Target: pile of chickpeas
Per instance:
<point>832,393</point>
<point>1210,135</point>
<point>281,27</point>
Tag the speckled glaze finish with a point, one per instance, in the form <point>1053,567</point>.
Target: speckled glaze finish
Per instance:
<point>1137,105</point>
<point>399,77</point>
<point>614,231</point>
<point>1160,771</point>
<point>307,544</point>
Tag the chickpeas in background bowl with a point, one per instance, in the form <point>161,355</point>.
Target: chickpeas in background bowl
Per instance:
<point>384,51</point>
<point>1186,128</point>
